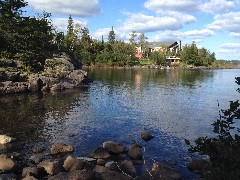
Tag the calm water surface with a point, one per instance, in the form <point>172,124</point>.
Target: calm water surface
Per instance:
<point>174,104</point>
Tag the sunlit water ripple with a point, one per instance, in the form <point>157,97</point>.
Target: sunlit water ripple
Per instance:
<point>173,104</point>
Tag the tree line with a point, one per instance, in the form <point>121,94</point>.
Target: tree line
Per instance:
<point>33,39</point>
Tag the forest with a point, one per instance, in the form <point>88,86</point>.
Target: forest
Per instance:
<point>33,39</point>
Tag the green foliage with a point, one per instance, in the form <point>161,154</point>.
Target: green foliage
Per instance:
<point>142,42</point>
<point>190,54</point>
<point>132,38</point>
<point>29,39</point>
<point>111,36</point>
<point>224,149</point>
<point>158,58</point>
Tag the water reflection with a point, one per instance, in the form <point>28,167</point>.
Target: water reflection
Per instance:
<point>175,104</point>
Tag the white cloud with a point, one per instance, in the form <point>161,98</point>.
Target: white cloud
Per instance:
<point>172,5</point>
<point>143,23</point>
<point>217,6</point>
<point>226,22</point>
<point>101,32</point>
<point>62,23</point>
<point>199,33</point>
<point>121,35</point>
<point>230,46</point>
<point>194,35</point>
<point>80,8</point>
<point>234,34</point>
<point>167,36</point>
<point>229,51</point>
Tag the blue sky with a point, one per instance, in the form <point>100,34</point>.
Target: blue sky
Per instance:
<point>213,24</point>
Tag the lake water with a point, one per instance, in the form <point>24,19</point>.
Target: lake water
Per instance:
<point>117,105</point>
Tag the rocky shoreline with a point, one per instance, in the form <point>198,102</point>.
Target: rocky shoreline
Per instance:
<point>60,72</point>
<point>109,161</point>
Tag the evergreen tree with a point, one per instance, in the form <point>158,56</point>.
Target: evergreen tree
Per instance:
<point>132,37</point>
<point>111,36</point>
<point>29,39</point>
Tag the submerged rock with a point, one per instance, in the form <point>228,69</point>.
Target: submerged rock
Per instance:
<point>146,135</point>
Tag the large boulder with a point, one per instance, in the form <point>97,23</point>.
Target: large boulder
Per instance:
<point>135,152</point>
<point>113,147</point>
<point>58,64</point>
<point>61,148</point>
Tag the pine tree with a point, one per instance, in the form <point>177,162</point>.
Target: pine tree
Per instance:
<point>111,36</point>
<point>132,37</point>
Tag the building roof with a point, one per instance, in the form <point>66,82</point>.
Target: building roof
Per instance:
<point>160,44</point>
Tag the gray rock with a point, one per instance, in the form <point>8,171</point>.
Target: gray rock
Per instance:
<point>100,153</point>
<point>61,148</point>
<point>59,63</point>
<point>135,152</point>
<point>113,147</point>
<point>51,167</point>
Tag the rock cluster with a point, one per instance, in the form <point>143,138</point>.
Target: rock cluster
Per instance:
<point>110,161</point>
<point>60,72</point>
